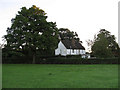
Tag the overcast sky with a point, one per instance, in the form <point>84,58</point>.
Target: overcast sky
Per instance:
<point>86,17</point>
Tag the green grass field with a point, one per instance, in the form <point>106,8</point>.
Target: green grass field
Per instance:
<point>59,76</point>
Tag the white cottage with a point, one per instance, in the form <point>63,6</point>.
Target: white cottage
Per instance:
<point>70,47</point>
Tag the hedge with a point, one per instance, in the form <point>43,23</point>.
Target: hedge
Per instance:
<point>78,61</point>
<point>61,60</point>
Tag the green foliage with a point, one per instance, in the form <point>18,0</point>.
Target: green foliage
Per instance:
<point>31,32</point>
<point>65,33</point>
<point>100,47</point>
<point>105,45</point>
<point>62,60</point>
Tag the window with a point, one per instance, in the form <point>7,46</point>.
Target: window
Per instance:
<point>79,51</point>
<point>72,50</point>
<point>60,51</point>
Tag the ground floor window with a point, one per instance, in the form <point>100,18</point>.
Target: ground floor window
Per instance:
<point>79,51</point>
<point>72,50</point>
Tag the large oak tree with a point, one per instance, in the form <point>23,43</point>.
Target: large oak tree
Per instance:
<point>31,32</point>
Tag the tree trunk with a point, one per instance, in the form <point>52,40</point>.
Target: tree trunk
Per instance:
<point>33,59</point>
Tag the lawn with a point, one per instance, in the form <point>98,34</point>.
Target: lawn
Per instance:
<point>59,76</point>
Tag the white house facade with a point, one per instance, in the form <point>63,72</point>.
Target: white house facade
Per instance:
<point>67,47</point>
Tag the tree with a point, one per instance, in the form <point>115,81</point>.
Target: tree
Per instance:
<point>30,32</point>
<point>105,45</point>
<point>89,43</point>
<point>2,44</point>
<point>65,33</point>
<point>100,47</point>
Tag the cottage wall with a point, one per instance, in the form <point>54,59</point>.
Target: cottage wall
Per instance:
<point>75,51</point>
<point>61,50</point>
<point>82,51</point>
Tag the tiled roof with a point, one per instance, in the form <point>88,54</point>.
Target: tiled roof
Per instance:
<point>72,44</point>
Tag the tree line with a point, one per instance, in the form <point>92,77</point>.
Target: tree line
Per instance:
<point>31,34</point>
